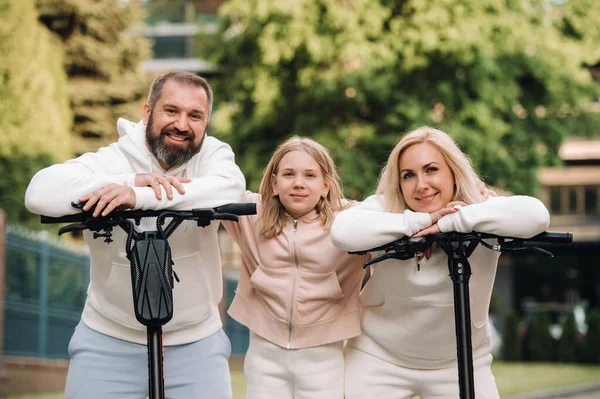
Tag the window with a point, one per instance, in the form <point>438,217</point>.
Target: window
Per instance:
<point>591,200</point>
<point>574,200</point>
<point>171,47</point>
<point>555,199</point>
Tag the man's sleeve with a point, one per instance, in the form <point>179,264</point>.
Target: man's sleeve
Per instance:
<point>52,189</point>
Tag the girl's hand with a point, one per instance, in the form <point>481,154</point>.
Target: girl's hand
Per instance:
<point>450,207</point>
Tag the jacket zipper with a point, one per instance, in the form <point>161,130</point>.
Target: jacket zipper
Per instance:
<point>293,287</point>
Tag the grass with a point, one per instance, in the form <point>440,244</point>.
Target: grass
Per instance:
<point>518,378</point>
<point>511,378</point>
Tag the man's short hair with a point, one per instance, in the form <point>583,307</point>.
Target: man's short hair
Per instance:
<point>185,78</point>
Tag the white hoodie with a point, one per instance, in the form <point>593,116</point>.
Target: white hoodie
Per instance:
<point>408,317</point>
<point>216,180</point>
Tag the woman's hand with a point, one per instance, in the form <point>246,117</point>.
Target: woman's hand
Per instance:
<point>429,231</point>
<point>484,190</point>
<point>451,207</point>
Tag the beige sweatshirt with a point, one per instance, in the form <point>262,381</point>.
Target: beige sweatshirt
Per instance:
<point>408,316</point>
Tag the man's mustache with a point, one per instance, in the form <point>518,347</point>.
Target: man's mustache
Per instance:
<point>177,132</point>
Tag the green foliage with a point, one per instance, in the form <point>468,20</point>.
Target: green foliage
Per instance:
<point>102,61</point>
<point>568,346</point>
<point>17,170</point>
<point>511,340</point>
<point>540,344</point>
<point>505,79</point>
<point>34,109</point>
<point>591,342</point>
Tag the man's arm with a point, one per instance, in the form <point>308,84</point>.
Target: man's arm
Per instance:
<point>52,189</point>
<point>218,181</point>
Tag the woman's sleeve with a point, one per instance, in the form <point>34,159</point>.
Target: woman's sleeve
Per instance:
<point>366,225</point>
<point>516,216</point>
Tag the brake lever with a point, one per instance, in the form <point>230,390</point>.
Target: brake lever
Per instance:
<point>72,227</point>
<point>226,216</point>
<point>388,255</point>
<point>540,250</point>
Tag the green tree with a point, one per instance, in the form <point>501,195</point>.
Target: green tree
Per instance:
<point>33,97</point>
<point>591,342</point>
<point>568,346</point>
<point>511,340</point>
<point>507,79</point>
<point>103,57</point>
<point>540,344</point>
<point>36,120</point>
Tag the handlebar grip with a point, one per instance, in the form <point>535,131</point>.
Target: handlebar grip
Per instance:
<point>244,208</point>
<point>552,237</point>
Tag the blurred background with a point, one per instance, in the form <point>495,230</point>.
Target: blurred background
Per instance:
<point>515,82</point>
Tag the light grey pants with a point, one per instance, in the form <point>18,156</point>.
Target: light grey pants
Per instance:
<point>106,367</point>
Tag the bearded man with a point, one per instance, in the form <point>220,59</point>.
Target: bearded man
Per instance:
<point>165,161</point>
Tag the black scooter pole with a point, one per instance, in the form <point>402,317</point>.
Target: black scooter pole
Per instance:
<point>460,272</point>
<point>156,382</point>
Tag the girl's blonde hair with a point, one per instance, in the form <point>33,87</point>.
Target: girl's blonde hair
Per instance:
<point>465,178</point>
<point>272,216</point>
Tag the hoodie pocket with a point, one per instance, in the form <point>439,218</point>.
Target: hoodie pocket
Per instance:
<point>274,288</point>
<point>412,329</point>
<point>318,297</point>
<point>422,333</point>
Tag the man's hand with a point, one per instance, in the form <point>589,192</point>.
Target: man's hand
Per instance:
<point>156,180</point>
<point>108,198</point>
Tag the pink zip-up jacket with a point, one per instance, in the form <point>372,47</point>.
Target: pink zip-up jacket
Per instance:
<point>295,290</point>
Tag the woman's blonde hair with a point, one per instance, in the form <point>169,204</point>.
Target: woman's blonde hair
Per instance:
<point>465,178</point>
<point>272,216</point>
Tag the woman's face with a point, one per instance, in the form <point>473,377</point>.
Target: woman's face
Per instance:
<point>426,180</point>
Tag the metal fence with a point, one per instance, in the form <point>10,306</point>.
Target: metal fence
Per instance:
<point>44,295</point>
<point>46,288</point>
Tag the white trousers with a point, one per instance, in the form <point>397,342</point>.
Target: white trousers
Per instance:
<point>273,372</point>
<point>370,377</point>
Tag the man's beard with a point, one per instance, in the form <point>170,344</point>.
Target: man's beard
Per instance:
<point>169,154</point>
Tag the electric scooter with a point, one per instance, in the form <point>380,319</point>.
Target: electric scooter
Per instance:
<point>458,247</point>
<point>152,271</point>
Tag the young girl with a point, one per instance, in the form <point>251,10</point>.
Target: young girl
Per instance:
<point>408,342</point>
<point>297,293</point>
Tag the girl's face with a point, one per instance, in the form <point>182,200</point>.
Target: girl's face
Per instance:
<point>426,180</point>
<point>299,183</point>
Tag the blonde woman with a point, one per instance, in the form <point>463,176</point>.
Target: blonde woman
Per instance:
<point>408,345</point>
<point>297,293</point>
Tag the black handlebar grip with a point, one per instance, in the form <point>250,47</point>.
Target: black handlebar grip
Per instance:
<point>244,208</point>
<point>552,237</point>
